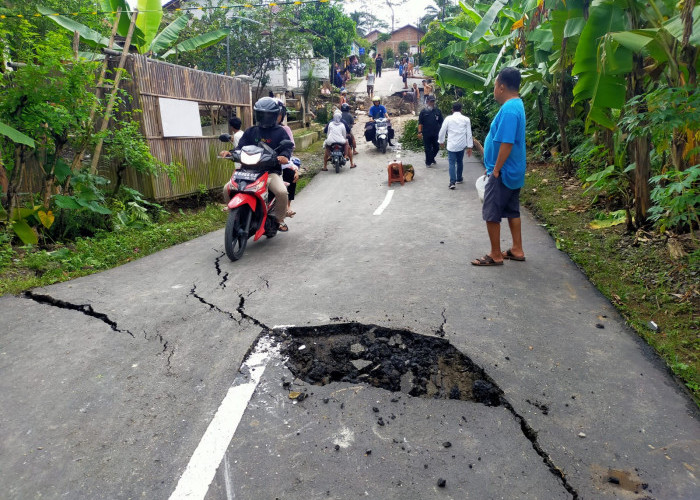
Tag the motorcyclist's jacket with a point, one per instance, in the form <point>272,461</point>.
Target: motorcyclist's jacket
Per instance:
<point>377,111</point>
<point>271,136</point>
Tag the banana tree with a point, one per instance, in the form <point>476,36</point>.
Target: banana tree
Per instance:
<point>147,39</point>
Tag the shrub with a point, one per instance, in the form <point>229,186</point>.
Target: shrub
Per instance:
<point>409,139</point>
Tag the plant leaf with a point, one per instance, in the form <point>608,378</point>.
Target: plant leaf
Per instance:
<point>460,33</point>
<point>124,18</point>
<point>67,202</point>
<point>487,20</point>
<point>90,36</point>
<point>198,42</point>
<point>25,232</point>
<point>148,21</point>
<point>62,171</point>
<point>15,135</point>
<point>169,35</point>
<point>459,77</point>
<point>46,218</point>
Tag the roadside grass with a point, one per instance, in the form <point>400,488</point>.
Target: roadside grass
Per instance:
<point>635,271</point>
<point>24,268</point>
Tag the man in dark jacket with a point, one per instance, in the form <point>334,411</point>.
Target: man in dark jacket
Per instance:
<point>429,123</point>
<point>268,131</point>
<point>350,120</point>
<point>378,65</point>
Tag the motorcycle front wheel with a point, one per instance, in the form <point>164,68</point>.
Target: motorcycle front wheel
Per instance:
<point>382,146</point>
<point>236,233</point>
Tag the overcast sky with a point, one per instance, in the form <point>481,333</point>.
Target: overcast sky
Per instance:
<point>409,13</point>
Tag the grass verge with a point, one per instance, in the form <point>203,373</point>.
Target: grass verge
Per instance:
<point>24,268</point>
<point>635,271</point>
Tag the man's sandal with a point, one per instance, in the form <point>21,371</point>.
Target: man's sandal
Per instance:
<point>486,260</point>
<point>283,227</point>
<point>509,255</point>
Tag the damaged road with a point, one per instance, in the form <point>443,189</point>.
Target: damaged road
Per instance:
<point>392,368</point>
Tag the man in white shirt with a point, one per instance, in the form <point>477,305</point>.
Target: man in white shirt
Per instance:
<point>459,137</point>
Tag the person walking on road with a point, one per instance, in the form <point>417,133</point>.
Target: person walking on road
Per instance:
<point>370,83</point>
<point>505,162</point>
<point>378,65</point>
<point>459,137</point>
<point>429,123</point>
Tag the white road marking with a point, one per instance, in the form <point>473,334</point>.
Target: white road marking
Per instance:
<point>385,203</point>
<point>195,481</point>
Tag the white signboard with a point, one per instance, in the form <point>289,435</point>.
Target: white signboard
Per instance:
<point>180,118</point>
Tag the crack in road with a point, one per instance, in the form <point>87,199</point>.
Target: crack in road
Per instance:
<point>86,309</point>
<point>193,293</point>
<point>219,272</point>
<point>531,435</point>
<point>441,331</point>
<point>241,311</point>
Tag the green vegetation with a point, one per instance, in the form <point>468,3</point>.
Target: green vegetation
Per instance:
<point>27,267</point>
<point>647,276</point>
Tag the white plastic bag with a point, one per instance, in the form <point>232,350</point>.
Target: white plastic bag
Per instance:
<point>481,186</point>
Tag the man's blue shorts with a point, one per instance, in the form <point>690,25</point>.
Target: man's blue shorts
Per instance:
<point>499,201</point>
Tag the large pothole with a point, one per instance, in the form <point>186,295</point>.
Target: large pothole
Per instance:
<point>396,360</point>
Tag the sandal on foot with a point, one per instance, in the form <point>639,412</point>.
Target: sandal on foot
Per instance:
<point>291,213</point>
<point>353,166</point>
<point>509,255</point>
<point>486,260</point>
<point>283,227</point>
<point>324,169</point>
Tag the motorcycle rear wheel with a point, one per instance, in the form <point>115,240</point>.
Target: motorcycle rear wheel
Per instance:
<point>337,166</point>
<point>236,233</point>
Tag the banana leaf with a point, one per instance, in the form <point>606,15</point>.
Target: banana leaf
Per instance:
<point>454,49</point>
<point>675,27</point>
<point>471,12</point>
<point>459,77</point>
<point>124,17</point>
<point>169,35</point>
<point>16,135</point>
<point>198,42</point>
<point>486,22</point>
<point>90,36</point>
<point>602,89</point>
<point>460,33</point>
<point>148,21</point>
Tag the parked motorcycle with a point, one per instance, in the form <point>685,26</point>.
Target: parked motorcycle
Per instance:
<point>381,134</point>
<point>337,156</point>
<point>250,204</point>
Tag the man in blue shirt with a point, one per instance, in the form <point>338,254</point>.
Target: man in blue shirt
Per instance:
<point>505,162</point>
<point>376,111</point>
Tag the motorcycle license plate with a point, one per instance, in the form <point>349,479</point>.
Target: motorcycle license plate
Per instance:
<point>244,175</point>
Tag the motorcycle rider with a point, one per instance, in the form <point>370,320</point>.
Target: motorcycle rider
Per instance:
<point>350,120</point>
<point>377,111</point>
<point>337,131</point>
<point>267,130</point>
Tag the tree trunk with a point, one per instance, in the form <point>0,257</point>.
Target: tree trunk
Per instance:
<point>639,150</point>
<point>560,109</point>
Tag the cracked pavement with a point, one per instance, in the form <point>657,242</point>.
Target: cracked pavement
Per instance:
<point>108,382</point>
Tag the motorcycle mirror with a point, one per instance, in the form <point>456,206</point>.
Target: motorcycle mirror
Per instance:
<point>225,138</point>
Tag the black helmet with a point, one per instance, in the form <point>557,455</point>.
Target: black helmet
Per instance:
<point>345,107</point>
<point>266,112</point>
<point>283,109</point>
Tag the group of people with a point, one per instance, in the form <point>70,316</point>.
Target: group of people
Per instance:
<point>503,154</point>
<point>504,159</point>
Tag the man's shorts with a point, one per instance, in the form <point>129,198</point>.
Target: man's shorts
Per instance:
<point>499,201</point>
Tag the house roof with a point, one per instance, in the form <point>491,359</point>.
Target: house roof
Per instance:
<point>409,26</point>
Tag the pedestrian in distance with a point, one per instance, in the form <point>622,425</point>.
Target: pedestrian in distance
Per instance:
<point>459,137</point>
<point>429,123</point>
<point>378,65</point>
<point>505,162</point>
<point>370,82</point>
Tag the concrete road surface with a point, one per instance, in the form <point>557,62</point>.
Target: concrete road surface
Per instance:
<point>168,377</point>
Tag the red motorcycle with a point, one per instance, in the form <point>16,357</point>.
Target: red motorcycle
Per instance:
<point>250,201</point>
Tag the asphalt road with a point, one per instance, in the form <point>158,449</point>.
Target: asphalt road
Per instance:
<point>132,383</point>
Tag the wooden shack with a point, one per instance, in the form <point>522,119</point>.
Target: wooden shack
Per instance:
<point>154,85</point>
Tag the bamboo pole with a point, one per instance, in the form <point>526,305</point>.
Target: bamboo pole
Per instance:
<point>113,95</point>
<point>79,155</point>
